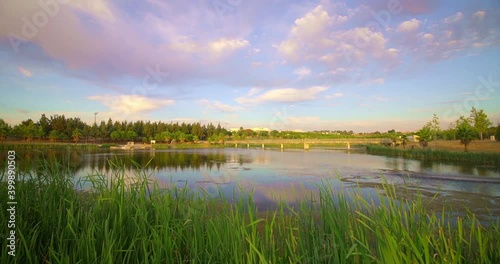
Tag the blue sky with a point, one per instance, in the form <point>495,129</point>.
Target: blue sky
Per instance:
<point>350,65</point>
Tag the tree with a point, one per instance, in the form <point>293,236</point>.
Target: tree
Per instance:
<point>465,131</point>
<point>76,135</point>
<point>54,135</point>
<point>30,130</point>
<point>480,120</point>
<point>86,132</point>
<point>44,124</point>
<point>425,134</point>
<point>435,126</point>
<point>451,132</point>
<point>497,135</point>
<point>115,135</point>
<point>131,135</point>
<point>404,140</point>
<point>4,129</point>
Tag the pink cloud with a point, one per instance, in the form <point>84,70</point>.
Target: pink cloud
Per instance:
<point>24,71</point>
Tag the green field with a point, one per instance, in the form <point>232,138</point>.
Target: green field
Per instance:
<point>131,219</point>
<point>481,158</point>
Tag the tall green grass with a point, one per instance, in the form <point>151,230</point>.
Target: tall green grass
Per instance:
<point>132,219</point>
<point>437,155</point>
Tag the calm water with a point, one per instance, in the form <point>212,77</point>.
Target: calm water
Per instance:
<point>294,174</point>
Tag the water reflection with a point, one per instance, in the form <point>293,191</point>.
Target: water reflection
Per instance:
<point>287,176</point>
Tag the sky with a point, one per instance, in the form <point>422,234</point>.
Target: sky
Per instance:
<point>289,65</point>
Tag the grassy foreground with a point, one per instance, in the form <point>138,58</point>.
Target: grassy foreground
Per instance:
<point>437,155</point>
<point>124,219</point>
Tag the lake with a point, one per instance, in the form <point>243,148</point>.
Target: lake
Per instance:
<point>273,175</point>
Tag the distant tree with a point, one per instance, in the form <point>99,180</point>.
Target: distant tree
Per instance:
<point>94,132</point>
<point>77,134</point>
<point>164,136</point>
<point>58,123</point>
<point>87,132</point>
<point>196,130</point>
<point>497,135</point>
<point>44,124</point>
<point>465,131</point>
<point>480,121</point>
<point>54,135</point>
<point>404,140</point>
<point>221,137</point>
<point>131,135</point>
<point>30,130</point>
<point>103,131</point>
<point>425,134</point>
<point>4,130</point>
<point>451,133</point>
<point>435,129</point>
<point>116,135</point>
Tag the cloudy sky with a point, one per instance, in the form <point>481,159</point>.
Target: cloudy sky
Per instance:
<point>356,65</point>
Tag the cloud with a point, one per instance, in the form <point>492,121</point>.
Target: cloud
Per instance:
<point>408,26</point>
<point>447,37</point>
<point>227,45</point>
<point>284,95</point>
<point>131,104</point>
<point>99,9</point>
<point>336,46</point>
<point>468,100</point>
<point>103,41</point>
<point>479,14</point>
<point>315,22</point>
<point>302,72</point>
<point>334,95</point>
<point>220,106</point>
<point>254,91</point>
<point>24,71</point>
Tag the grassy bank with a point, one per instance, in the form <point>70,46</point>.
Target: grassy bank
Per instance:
<point>44,145</point>
<point>130,219</point>
<point>437,155</point>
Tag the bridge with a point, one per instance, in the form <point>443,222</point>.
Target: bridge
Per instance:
<point>307,142</point>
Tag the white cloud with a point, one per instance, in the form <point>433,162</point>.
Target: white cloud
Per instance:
<point>254,91</point>
<point>409,26</point>
<point>220,106</point>
<point>315,22</point>
<point>227,45</point>
<point>302,72</point>
<point>317,38</point>
<point>288,95</point>
<point>456,33</point>
<point>97,8</point>
<point>24,71</point>
<point>479,14</point>
<point>334,95</point>
<point>131,104</point>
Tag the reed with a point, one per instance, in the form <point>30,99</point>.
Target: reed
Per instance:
<point>437,155</point>
<point>132,219</point>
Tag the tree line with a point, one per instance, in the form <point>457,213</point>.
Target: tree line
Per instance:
<point>59,128</point>
<point>466,129</point>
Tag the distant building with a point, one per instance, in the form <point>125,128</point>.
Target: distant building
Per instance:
<point>260,129</point>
